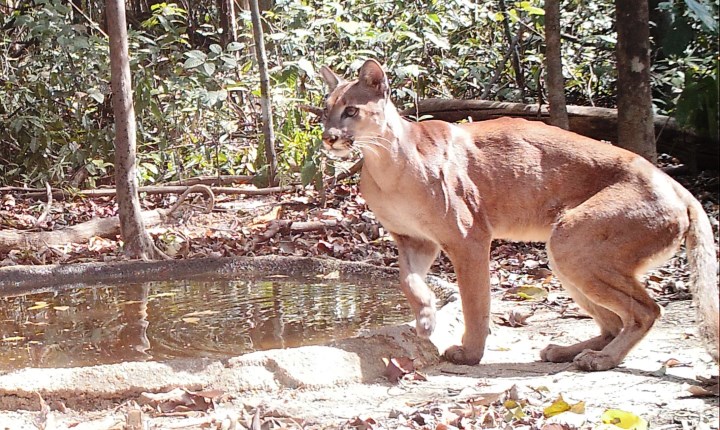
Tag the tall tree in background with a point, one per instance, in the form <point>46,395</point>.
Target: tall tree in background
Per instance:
<point>634,99</point>
<point>553,66</point>
<point>138,243</point>
<point>228,23</point>
<point>265,102</point>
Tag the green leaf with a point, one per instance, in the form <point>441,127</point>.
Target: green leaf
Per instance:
<point>530,9</point>
<point>209,68</point>
<point>306,66</point>
<point>96,95</point>
<point>438,41</point>
<point>215,48</point>
<point>350,27</point>
<point>191,63</point>
<point>308,172</point>
<point>703,14</point>
<point>150,167</point>
<point>234,46</point>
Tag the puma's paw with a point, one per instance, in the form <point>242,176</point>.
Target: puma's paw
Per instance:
<point>556,354</point>
<point>594,360</point>
<point>460,355</point>
<point>425,322</point>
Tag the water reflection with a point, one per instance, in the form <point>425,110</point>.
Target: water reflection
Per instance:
<point>160,321</point>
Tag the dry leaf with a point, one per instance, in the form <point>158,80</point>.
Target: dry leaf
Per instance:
<point>624,420</point>
<point>396,368</point>
<point>698,391</point>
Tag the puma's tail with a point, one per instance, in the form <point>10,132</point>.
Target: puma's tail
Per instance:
<point>703,261</point>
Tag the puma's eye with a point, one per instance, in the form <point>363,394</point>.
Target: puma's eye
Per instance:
<point>350,111</point>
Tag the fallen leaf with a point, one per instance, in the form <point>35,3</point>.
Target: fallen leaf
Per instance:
<point>698,391</point>
<point>396,368</point>
<point>61,308</point>
<point>362,423</point>
<point>39,305</point>
<point>527,292</point>
<point>191,320</point>
<point>180,400</point>
<point>624,420</point>
<point>557,407</point>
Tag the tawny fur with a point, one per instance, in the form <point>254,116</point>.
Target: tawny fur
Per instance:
<point>606,214</point>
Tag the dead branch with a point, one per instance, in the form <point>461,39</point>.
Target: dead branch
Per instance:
<point>110,192</point>
<point>195,189</point>
<point>213,180</point>
<point>48,205</point>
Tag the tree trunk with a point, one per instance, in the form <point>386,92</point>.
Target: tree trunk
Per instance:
<point>553,66</point>
<point>138,243</point>
<point>226,9</point>
<point>265,102</point>
<point>634,101</point>
<point>517,67</point>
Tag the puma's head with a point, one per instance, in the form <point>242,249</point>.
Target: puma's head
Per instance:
<point>354,111</point>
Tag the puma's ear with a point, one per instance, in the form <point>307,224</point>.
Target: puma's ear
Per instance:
<point>372,75</point>
<point>330,78</point>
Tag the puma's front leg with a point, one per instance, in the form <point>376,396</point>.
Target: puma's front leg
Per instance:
<point>472,267</point>
<point>415,258</point>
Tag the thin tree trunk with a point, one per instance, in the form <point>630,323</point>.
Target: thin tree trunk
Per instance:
<point>634,101</point>
<point>265,102</point>
<point>553,66</point>
<point>226,9</point>
<point>138,243</point>
<point>519,76</point>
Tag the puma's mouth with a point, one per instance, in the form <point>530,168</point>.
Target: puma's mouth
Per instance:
<point>341,148</point>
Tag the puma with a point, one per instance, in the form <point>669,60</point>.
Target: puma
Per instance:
<point>606,215</point>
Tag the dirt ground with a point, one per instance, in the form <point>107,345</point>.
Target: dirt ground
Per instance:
<point>641,385</point>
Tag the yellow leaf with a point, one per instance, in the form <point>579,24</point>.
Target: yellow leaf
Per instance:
<point>557,407</point>
<point>624,420</point>
<point>531,292</point>
<point>12,339</point>
<point>61,308</point>
<point>39,305</point>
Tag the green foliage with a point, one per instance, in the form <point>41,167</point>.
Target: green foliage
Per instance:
<point>686,76</point>
<point>196,98</point>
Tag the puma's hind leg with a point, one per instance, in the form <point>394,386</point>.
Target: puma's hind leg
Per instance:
<point>610,325</point>
<point>598,257</point>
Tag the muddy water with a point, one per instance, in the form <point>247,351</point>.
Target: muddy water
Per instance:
<point>160,321</point>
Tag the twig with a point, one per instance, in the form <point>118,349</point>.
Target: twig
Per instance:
<point>48,205</point>
<point>194,189</point>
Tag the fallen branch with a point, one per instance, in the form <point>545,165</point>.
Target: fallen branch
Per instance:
<point>110,192</point>
<point>108,228</point>
<point>213,180</point>
<point>287,226</point>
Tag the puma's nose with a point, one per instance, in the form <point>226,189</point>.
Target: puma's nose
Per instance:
<point>331,136</point>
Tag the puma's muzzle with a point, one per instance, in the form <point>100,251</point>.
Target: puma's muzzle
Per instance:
<point>336,142</point>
